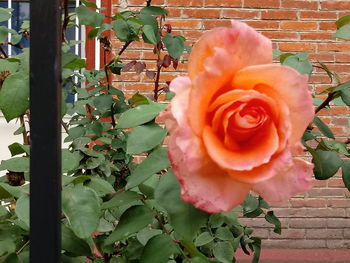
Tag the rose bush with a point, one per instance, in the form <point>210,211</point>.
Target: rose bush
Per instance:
<point>236,122</point>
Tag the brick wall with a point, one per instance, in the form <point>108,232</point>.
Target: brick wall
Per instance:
<point>319,218</point>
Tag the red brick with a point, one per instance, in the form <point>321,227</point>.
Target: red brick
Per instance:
<point>308,202</point>
<point>326,212</point>
<point>220,3</point>
<point>338,244</point>
<point>338,223</point>
<point>318,15</point>
<point>324,234</point>
<point>309,223</point>
<point>185,24</point>
<point>202,13</point>
<point>342,57</point>
<point>262,4</point>
<point>328,26</point>
<point>278,14</point>
<point>299,4</point>
<point>319,36</point>
<point>296,243</point>
<point>288,233</point>
<point>209,24</point>
<point>339,203</point>
<point>298,25</point>
<point>335,5</point>
<point>297,46</point>
<point>264,25</point>
<point>186,3</point>
<point>240,13</point>
<point>280,35</point>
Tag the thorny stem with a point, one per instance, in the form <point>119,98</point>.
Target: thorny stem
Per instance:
<point>124,47</point>
<point>65,20</point>
<point>326,102</point>
<point>24,133</point>
<point>108,84</point>
<point>3,51</point>
<point>64,125</point>
<point>23,247</point>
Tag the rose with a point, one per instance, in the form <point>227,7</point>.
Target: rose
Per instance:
<point>236,122</point>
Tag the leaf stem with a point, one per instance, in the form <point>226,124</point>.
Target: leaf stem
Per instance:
<point>194,252</point>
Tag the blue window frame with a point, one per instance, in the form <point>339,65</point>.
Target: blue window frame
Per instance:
<point>20,14</point>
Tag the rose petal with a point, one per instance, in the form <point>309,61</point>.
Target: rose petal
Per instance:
<point>278,163</point>
<point>292,88</point>
<point>244,45</point>
<point>203,183</point>
<point>286,184</point>
<point>256,152</point>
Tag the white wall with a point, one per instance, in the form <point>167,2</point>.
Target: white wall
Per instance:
<point>7,137</point>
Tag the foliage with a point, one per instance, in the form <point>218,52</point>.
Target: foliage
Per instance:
<point>116,209</point>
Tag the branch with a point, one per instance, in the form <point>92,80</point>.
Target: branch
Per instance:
<point>326,102</point>
<point>65,20</point>
<point>148,2</point>
<point>2,50</point>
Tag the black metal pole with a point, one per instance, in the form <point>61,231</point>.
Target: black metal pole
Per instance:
<point>45,131</point>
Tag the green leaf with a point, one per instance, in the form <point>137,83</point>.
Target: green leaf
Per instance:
<point>89,4</point>
<point>101,186</point>
<point>202,239</point>
<point>81,206</point>
<point>323,128</point>
<point>342,21</point>
<point>17,164</point>
<point>300,63</point>
<point>155,162</point>
<point>180,213</point>
<point>153,10</point>
<point>71,243</point>
<point>7,247</point>
<point>89,17</point>
<point>14,95</point>
<point>345,96</point>
<point>144,138</point>
<point>169,95</point>
<point>146,234</point>
<point>223,251</point>
<point>224,234</point>
<point>149,33</point>
<point>22,209</point>
<point>70,161</point>
<point>139,115</point>
<point>103,102</point>
<point>343,32</point>
<point>17,148</point>
<point>346,173</point>
<point>158,249</point>
<point>174,44</point>
<point>272,219</point>
<point>250,204</point>
<point>7,191</point>
<point>132,220</point>
<point>276,53</point>
<point>5,14</point>
<point>327,163</point>
<point>124,30</point>
<point>6,65</point>
<point>121,199</point>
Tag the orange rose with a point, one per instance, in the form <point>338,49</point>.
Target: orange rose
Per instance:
<point>236,122</point>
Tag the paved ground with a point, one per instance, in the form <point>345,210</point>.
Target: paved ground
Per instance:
<point>299,256</point>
